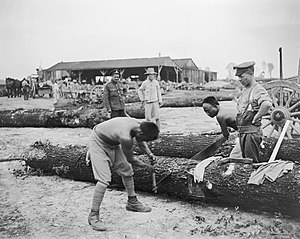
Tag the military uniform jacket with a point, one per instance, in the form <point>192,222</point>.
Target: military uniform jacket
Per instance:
<point>113,98</point>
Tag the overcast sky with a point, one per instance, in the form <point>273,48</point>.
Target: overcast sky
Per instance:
<point>213,33</point>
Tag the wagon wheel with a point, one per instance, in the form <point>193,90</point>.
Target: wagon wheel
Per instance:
<point>96,92</point>
<point>286,106</point>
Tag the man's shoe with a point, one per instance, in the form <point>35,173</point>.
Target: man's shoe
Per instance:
<point>95,223</point>
<point>137,207</point>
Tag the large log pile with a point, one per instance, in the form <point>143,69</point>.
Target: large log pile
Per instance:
<point>283,195</point>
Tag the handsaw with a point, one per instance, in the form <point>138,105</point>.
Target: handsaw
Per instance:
<point>210,150</point>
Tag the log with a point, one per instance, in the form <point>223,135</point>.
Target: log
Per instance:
<point>80,113</point>
<point>73,118</point>
<point>186,146</point>
<point>280,196</point>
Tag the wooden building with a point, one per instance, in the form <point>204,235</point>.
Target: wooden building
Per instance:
<point>168,69</point>
<point>135,68</point>
<point>192,74</point>
<point>3,91</point>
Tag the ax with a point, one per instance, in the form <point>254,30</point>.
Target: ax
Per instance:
<point>153,178</point>
<point>160,181</point>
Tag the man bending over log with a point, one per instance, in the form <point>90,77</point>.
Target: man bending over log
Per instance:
<point>111,145</point>
<point>225,118</point>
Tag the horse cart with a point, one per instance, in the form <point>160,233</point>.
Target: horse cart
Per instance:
<point>43,88</point>
<point>96,92</point>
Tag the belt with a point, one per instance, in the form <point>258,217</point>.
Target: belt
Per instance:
<point>249,129</point>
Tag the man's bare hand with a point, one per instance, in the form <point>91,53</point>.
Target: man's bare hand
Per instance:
<point>152,157</point>
<point>149,167</point>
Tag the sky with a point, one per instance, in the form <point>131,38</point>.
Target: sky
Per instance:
<point>213,33</point>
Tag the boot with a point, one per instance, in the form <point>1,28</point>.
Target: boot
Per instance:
<point>137,207</point>
<point>95,223</point>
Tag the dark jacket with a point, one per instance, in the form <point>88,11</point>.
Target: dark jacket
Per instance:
<point>114,94</point>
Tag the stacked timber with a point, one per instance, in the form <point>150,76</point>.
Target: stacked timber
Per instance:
<point>282,196</point>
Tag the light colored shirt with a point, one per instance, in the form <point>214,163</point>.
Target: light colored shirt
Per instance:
<point>254,95</point>
<point>150,91</point>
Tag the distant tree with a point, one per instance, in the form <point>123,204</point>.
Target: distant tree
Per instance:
<point>263,65</point>
<point>262,75</point>
<point>207,68</point>
<point>230,70</point>
<point>270,69</point>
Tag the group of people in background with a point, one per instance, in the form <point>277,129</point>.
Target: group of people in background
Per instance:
<point>70,89</point>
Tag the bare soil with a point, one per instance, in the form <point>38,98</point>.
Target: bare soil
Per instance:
<point>33,205</point>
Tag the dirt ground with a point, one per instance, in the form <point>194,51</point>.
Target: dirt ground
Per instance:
<point>36,206</point>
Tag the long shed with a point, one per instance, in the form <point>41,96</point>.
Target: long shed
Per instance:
<point>87,70</point>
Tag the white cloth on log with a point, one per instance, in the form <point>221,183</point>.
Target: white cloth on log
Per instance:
<point>200,168</point>
<point>270,171</point>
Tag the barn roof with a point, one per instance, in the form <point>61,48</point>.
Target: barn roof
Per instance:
<point>183,63</point>
<point>113,64</point>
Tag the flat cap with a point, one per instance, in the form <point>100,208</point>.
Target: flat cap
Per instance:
<point>245,67</point>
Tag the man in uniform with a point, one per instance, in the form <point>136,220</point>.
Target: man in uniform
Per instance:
<point>111,146</point>
<point>114,94</point>
<point>253,103</point>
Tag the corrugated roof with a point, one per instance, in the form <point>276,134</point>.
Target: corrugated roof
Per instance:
<point>113,64</point>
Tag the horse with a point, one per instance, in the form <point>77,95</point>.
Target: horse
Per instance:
<point>13,87</point>
<point>18,87</point>
<point>26,88</point>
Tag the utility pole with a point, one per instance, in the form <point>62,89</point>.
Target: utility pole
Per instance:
<point>280,63</point>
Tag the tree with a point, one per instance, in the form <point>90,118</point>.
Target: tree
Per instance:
<point>270,69</point>
<point>230,70</point>
<point>263,65</point>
